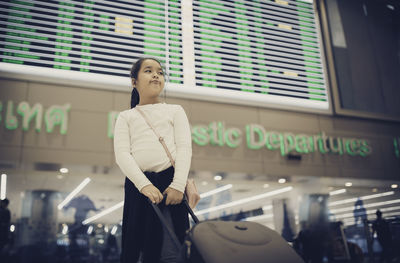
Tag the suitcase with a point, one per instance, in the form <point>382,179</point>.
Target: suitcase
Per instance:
<point>231,242</point>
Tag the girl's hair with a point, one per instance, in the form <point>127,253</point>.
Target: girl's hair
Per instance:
<point>134,74</point>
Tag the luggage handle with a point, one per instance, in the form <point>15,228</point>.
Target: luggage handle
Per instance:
<point>164,221</point>
<point>165,224</point>
<point>194,217</point>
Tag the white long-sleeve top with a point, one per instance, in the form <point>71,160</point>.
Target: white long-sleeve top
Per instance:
<point>137,149</point>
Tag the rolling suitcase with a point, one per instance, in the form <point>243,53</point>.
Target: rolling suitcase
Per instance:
<point>231,242</point>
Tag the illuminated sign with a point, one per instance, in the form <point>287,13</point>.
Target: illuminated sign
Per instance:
<point>257,138</point>
<point>215,133</point>
<point>55,115</point>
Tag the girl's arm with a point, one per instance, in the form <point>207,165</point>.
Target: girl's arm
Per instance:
<point>123,156</point>
<point>183,142</point>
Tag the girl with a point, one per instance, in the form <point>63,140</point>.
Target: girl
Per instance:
<point>149,172</point>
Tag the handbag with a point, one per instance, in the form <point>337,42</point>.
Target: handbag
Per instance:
<point>191,193</point>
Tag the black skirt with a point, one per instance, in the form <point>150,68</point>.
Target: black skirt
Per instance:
<point>141,229</point>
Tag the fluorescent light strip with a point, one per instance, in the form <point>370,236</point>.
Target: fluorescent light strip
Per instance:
<point>351,208</point>
<point>352,200</point>
<point>352,221</point>
<point>338,192</point>
<point>90,230</point>
<point>114,230</point>
<point>217,190</point>
<point>74,192</point>
<point>260,217</point>
<point>103,213</point>
<point>394,214</point>
<point>267,207</point>
<point>349,222</point>
<point>64,229</point>
<point>3,188</point>
<point>348,215</point>
<point>245,200</point>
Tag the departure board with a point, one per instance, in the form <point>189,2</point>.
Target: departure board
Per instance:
<point>254,52</point>
<point>102,37</point>
<point>267,47</point>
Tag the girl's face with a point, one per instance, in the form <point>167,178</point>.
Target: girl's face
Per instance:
<point>150,79</point>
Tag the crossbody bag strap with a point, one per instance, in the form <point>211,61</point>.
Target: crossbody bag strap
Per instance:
<point>161,139</point>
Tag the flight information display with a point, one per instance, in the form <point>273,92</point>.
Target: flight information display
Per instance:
<point>103,37</point>
<point>267,47</point>
<point>258,52</point>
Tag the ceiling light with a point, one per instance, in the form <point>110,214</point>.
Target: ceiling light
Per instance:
<point>103,213</point>
<point>353,200</point>
<point>267,207</point>
<point>12,228</point>
<point>64,229</point>
<point>368,212</point>
<point>245,200</point>
<point>348,184</point>
<point>218,178</point>
<point>351,221</point>
<point>90,230</point>
<point>337,192</point>
<point>351,208</point>
<point>74,192</point>
<point>394,186</point>
<point>114,230</point>
<point>282,181</point>
<point>390,7</point>
<point>64,170</point>
<point>3,187</point>
<point>260,217</point>
<point>217,190</point>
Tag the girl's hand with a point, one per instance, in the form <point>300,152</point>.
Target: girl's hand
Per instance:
<point>152,193</point>
<point>174,197</point>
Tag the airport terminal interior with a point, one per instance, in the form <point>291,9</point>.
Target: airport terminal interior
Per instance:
<point>80,237</point>
<point>293,108</point>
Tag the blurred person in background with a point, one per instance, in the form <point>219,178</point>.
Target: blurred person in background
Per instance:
<point>382,229</point>
<point>5,218</point>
